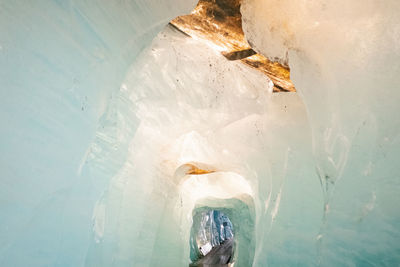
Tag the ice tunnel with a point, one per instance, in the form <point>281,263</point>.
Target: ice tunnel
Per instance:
<point>120,130</point>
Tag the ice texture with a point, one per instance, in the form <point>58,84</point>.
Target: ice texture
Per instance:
<point>60,64</point>
<point>101,183</point>
<point>196,107</point>
<point>99,128</point>
<point>344,61</point>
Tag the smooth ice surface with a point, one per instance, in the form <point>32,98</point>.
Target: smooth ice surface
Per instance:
<point>60,64</point>
<point>344,60</point>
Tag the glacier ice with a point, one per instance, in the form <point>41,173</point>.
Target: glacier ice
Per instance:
<point>110,143</point>
<point>227,124</point>
<point>60,62</point>
<point>343,57</point>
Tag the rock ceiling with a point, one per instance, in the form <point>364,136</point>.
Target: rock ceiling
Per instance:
<point>220,22</point>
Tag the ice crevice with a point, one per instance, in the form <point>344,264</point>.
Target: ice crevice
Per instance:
<point>117,129</point>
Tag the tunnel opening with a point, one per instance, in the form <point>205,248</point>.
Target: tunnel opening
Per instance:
<point>219,97</point>
<point>233,243</point>
<point>211,238</point>
<point>218,215</point>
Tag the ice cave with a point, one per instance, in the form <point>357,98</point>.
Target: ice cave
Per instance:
<point>199,133</point>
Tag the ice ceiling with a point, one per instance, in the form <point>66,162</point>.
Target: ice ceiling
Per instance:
<point>220,24</point>
<point>115,129</point>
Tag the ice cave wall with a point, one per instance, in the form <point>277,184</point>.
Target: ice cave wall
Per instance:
<point>60,62</point>
<point>343,57</point>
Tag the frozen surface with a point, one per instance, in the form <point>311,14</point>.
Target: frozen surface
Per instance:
<point>117,200</point>
<point>95,128</point>
<point>195,106</point>
<point>344,60</point>
<point>60,62</point>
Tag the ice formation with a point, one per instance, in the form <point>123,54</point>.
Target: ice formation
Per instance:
<point>343,57</point>
<point>111,142</point>
<point>60,62</point>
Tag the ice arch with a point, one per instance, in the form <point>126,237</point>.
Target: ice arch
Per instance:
<point>225,191</point>
<point>241,212</point>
